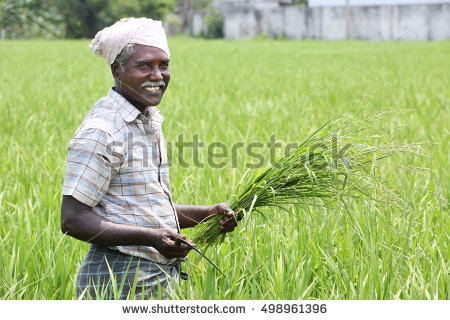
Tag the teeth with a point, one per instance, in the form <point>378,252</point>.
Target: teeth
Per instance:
<point>152,89</point>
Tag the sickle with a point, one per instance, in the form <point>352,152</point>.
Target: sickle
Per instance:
<point>179,241</point>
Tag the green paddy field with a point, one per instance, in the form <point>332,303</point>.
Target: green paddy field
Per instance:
<point>240,92</point>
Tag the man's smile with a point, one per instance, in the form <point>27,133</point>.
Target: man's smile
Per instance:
<point>152,89</point>
<point>153,86</point>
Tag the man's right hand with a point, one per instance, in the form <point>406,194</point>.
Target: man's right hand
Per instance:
<point>81,222</point>
<point>165,243</point>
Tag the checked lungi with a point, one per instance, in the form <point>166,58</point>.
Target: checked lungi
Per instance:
<point>153,280</point>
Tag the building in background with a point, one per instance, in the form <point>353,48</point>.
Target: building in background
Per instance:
<point>341,3</point>
<point>257,4</point>
<point>374,20</point>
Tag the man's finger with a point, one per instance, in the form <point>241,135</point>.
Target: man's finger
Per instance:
<point>228,220</point>
<point>191,243</point>
<point>222,207</point>
<point>228,226</point>
<point>229,213</point>
<point>179,242</point>
<point>187,243</point>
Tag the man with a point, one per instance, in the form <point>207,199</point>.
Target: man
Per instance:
<point>116,193</point>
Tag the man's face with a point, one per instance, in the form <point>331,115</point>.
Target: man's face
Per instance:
<point>145,78</point>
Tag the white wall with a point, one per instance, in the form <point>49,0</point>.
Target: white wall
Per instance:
<point>420,22</point>
<point>338,3</point>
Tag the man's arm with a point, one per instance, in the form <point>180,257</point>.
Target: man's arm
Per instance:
<point>190,216</point>
<point>81,222</point>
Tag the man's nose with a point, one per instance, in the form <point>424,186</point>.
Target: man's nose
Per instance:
<point>155,74</point>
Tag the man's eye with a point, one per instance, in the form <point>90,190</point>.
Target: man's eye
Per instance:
<point>165,66</point>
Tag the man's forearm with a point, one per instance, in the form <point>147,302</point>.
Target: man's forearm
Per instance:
<point>190,216</point>
<point>100,231</point>
<point>82,223</point>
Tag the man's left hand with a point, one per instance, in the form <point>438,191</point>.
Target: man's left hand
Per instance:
<point>229,221</point>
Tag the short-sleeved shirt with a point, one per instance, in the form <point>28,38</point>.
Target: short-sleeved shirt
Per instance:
<point>117,164</point>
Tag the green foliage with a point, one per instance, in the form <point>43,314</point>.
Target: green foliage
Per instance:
<point>239,91</point>
<point>30,18</point>
<point>201,4</point>
<point>213,25</point>
<point>74,18</point>
<point>93,15</point>
<point>192,4</point>
<point>135,8</point>
<point>338,163</point>
<point>184,9</point>
<point>81,17</point>
<point>173,24</point>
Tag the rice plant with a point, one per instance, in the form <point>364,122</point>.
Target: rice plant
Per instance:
<point>241,91</point>
<point>335,163</point>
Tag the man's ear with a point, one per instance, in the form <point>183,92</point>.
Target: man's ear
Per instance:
<point>116,70</point>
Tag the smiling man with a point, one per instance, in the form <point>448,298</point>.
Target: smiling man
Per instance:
<point>116,193</point>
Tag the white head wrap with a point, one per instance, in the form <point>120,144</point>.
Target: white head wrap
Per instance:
<point>109,42</point>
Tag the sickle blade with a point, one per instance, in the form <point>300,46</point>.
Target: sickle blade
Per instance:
<point>179,240</point>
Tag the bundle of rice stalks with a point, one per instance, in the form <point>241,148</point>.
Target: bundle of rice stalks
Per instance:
<point>334,164</point>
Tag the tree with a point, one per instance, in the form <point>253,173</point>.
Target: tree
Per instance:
<point>29,18</point>
<point>135,8</point>
<point>77,18</point>
<point>184,8</point>
<point>81,17</point>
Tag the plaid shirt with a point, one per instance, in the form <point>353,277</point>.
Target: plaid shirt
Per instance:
<point>117,164</point>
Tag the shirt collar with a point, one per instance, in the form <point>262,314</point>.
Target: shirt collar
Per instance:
<point>153,114</point>
<point>126,110</point>
<point>129,113</point>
